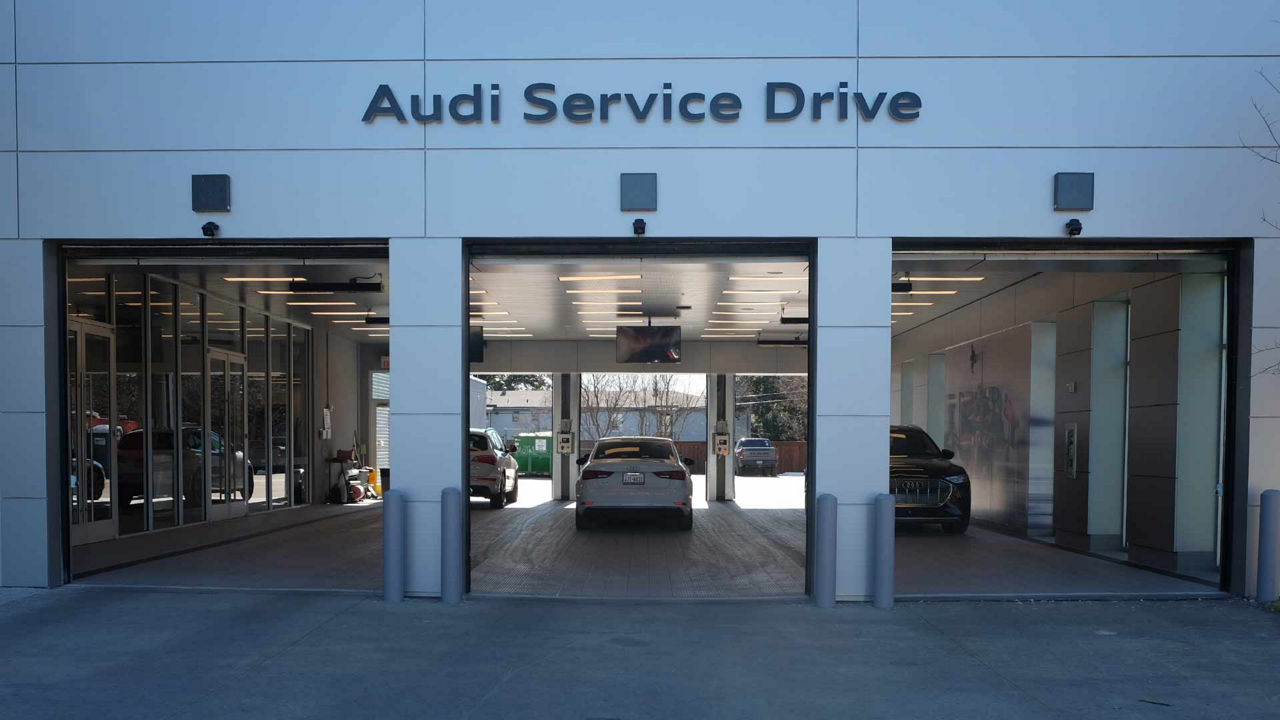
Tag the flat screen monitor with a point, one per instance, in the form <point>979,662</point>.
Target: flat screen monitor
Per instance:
<point>648,344</point>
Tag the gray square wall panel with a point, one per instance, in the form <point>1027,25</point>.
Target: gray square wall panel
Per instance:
<point>211,193</point>
<point>639,192</point>
<point>1073,191</point>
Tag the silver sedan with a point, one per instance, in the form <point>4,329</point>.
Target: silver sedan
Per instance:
<point>645,475</point>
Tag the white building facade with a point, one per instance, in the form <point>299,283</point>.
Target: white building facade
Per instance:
<point>921,119</point>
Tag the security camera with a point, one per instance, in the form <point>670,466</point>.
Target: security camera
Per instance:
<point>637,226</point>
<point>1074,227</point>
<point>210,229</point>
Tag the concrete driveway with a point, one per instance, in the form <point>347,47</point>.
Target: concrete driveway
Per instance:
<point>90,652</point>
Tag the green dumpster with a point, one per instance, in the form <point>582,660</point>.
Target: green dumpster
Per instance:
<point>533,453</point>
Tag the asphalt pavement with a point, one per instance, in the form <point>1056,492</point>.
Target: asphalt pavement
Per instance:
<point>100,652</point>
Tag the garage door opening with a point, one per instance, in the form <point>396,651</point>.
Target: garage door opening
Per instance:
<point>611,386</point>
<point>1059,421</point>
<point>221,416</point>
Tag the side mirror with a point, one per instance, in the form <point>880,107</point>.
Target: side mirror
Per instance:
<point>582,461</point>
<point>948,454</point>
<point>511,448</point>
<point>687,461</point>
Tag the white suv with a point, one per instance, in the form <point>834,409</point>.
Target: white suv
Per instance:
<point>494,472</point>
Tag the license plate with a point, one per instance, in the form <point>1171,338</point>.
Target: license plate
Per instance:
<point>633,478</point>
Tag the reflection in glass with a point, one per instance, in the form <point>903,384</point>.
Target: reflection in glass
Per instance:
<point>300,382</point>
<point>256,400</point>
<point>218,493</point>
<point>279,412</point>
<point>100,432</point>
<point>131,497</point>
<point>73,424</point>
<point>224,326</point>
<point>87,297</point>
<point>235,433</point>
<point>193,455</point>
<point>164,405</point>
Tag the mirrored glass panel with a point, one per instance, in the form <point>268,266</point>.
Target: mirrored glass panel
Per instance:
<point>130,340</point>
<point>300,382</point>
<point>193,454</point>
<point>279,340</point>
<point>256,401</point>
<point>163,402</point>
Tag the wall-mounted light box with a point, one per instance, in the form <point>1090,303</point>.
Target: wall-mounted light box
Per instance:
<point>639,192</point>
<point>210,193</point>
<point>1073,191</point>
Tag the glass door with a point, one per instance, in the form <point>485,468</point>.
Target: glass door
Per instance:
<point>226,437</point>
<point>92,432</point>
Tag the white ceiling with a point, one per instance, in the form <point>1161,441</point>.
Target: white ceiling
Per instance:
<point>687,293</point>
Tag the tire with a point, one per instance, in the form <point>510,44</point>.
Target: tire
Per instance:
<point>99,483</point>
<point>580,521</point>
<point>957,528</point>
<point>514,495</point>
<point>497,500</point>
<point>685,522</point>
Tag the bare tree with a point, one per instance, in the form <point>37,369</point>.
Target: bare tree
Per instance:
<point>672,408</point>
<point>605,400</point>
<point>1270,151</point>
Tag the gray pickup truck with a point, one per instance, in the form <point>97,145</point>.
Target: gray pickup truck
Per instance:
<point>755,456</point>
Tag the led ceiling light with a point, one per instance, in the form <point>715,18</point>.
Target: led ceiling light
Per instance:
<point>486,313</point>
<point>584,278</point>
<point>478,292</point>
<point>322,303</point>
<point>289,292</point>
<point>604,292</point>
<point>346,321</point>
<point>91,279</point>
<point>602,336</point>
<point>736,312</point>
<point>911,304</point>
<point>744,322</point>
<point>926,292</point>
<point>378,335</point>
<point>751,302</point>
<point>619,321</point>
<point>615,302</point>
<point>514,335</point>
<point>502,329</point>
<point>761,292</point>
<point>341,312</point>
<point>483,304</point>
<point>898,314</point>
<point>478,321</point>
<point>771,278</point>
<point>915,278</point>
<point>610,312</point>
<point>265,279</point>
<point>729,336</point>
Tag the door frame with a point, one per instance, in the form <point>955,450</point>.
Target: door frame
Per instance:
<point>89,532</point>
<point>230,508</point>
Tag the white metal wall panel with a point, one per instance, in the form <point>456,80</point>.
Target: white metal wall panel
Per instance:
<point>214,106</point>
<point>701,192</point>
<point>659,28</point>
<point>273,194</point>
<point>168,31</point>
<point>919,28</point>
<point>1009,192</point>
<point>1072,102</point>
<point>641,78</point>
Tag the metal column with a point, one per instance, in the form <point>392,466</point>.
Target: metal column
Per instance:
<point>720,413</point>
<point>566,402</point>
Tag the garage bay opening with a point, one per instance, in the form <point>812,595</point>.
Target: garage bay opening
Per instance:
<point>638,424</point>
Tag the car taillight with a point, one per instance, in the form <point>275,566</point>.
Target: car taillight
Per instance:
<point>670,474</point>
<point>487,459</point>
<point>593,474</point>
<point>739,453</point>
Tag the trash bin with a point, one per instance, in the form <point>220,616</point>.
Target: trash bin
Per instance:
<point>533,453</point>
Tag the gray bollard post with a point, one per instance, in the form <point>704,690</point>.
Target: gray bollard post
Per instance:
<point>393,546</point>
<point>884,526</point>
<point>451,546</point>
<point>1269,547</point>
<point>824,566</point>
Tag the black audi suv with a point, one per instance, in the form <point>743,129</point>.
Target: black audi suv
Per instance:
<point>927,487</point>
